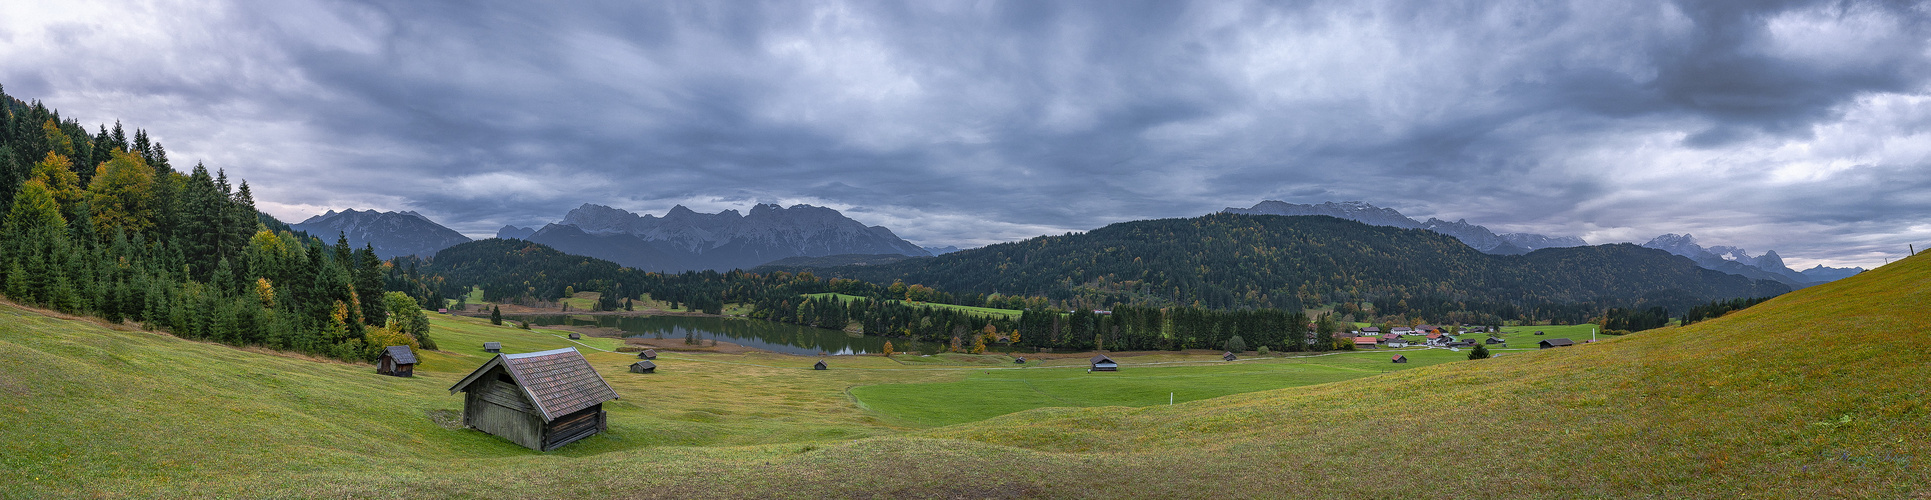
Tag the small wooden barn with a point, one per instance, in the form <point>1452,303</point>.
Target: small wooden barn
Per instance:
<point>1555,343</point>
<point>1101,363</point>
<point>644,366</point>
<point>819,366</point>
<point>648,354</point>
<point>492,347</point>
<point>1229,356</point>
<point>576,336</point>
<point>541,400</point>
<point>1400,359</point>
<point>1367,342</point>
<point>396,360</point>
<point>1019,360</point>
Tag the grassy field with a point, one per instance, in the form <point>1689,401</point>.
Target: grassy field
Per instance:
<point>1816,394</point>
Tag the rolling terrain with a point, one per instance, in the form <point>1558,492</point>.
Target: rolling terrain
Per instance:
<point>1817,393</point>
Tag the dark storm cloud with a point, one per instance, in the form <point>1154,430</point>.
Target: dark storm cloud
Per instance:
<point>1786,125</point>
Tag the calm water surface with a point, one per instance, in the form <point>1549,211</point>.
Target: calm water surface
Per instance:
<point>753,333</point>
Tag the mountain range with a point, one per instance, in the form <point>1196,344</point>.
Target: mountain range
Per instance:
<point>1477,237</point>
<point>1234,261</point>
<point>392,234</point>
<point>685,240</point>
<point>1735,260</point>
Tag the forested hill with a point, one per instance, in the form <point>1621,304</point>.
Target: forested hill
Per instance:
<point>1226,260</point>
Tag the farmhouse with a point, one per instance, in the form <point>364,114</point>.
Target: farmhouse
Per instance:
<point>1366,342</point>
<point>1101,363</point>
<point>1403,330</point>
<point>1400,359</point>
<point>1555,343</point>
<point>648,354</point>
<point>1371,330</point>
<point>819,366</point>
<point>396,360</point>
<point>492,347</point>
<point>1397,343</point>
<point>541,400</point>
<point>644,366</point>
<point>1229,356</point>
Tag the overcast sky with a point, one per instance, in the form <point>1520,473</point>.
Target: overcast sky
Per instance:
<point>1803,127</point>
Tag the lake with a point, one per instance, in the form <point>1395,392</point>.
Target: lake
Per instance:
<point>754,333</point>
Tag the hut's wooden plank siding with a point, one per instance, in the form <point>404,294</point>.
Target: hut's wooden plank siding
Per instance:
<point>514,396</point>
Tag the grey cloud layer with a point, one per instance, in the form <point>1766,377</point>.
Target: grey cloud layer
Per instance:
<point>1789,125</point>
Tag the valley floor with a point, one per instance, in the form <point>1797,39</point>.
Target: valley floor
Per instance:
<point>1815,394</point>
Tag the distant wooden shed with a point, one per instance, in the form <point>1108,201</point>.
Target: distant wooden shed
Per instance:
<point>541,400</point>
<point>1019,360</point>
<point>819,366</point>
<point>492,347</point>
<point>576,336</point>
<point>1229,356</point>
<point>1555,343</point>
<point>1400,358</point>
<point>1101,363</point>
<point>648,354</point>
<point>396,360</point>
<point>644,366</point>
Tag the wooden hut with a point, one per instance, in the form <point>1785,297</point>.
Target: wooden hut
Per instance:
<point>396,360</point>
<point>1555,343</point>
<point>1367,342</point>
<point>1101,363</point>
<point>644,366</point>
<point>648,354</point>
<point>1400,359</point>
<point>576,336</point>
<point>492,347</point>
<point>1229,356</point>
<point>541,400</point>
<point>819,366</point>
<point>1019,360</point>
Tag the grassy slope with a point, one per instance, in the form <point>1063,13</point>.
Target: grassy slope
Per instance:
<point>1816,393</point>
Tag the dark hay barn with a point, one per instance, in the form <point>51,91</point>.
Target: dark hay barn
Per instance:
<point>541,400</point>
<point>396,360</point>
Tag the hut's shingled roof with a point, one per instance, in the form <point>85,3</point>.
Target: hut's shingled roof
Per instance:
<point>402,354</point>
<point>560,381</point>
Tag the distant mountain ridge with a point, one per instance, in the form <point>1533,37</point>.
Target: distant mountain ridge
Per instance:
<point>392,234</point>
<point>1737,261</point>
<point>1230,261</point>
<point>1477,237</point>
<point>685,240</point>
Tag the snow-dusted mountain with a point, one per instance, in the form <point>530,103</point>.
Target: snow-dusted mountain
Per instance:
<point>1477,237</point>
<point>392,234</point>
<point>685,240</point>
<point>1735,260</point>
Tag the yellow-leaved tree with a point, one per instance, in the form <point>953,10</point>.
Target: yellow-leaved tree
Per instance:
<point>57,174</point>
<point>121,192</point>
<point>888,348</point>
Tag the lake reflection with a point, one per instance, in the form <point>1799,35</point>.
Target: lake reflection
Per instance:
<point>753,333</point>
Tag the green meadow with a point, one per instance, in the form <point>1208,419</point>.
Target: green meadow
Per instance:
<point>1815,394</point>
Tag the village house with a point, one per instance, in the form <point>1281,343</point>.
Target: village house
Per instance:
<point>1101,363</point>
<point>1366,342</point>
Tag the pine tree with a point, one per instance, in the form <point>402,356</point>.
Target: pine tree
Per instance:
<point>495,315</point>
<point>1480,352</point>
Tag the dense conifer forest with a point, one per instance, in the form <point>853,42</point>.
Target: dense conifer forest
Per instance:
<point>103,224</point>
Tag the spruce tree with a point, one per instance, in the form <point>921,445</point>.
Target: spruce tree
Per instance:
<point>495,315</point>
<point>1480,352</point>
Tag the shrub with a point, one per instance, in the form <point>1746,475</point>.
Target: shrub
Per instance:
<point>1480,352</point>
<point>1262,350</point>
<point>1235,344</point>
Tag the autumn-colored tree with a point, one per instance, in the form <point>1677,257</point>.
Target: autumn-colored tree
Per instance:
<point>979,345</point>
<point>121,192</point>
<point>57,174</point>
<point>888,348</point>
<point>57,140</point>
<point>265,291</point>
